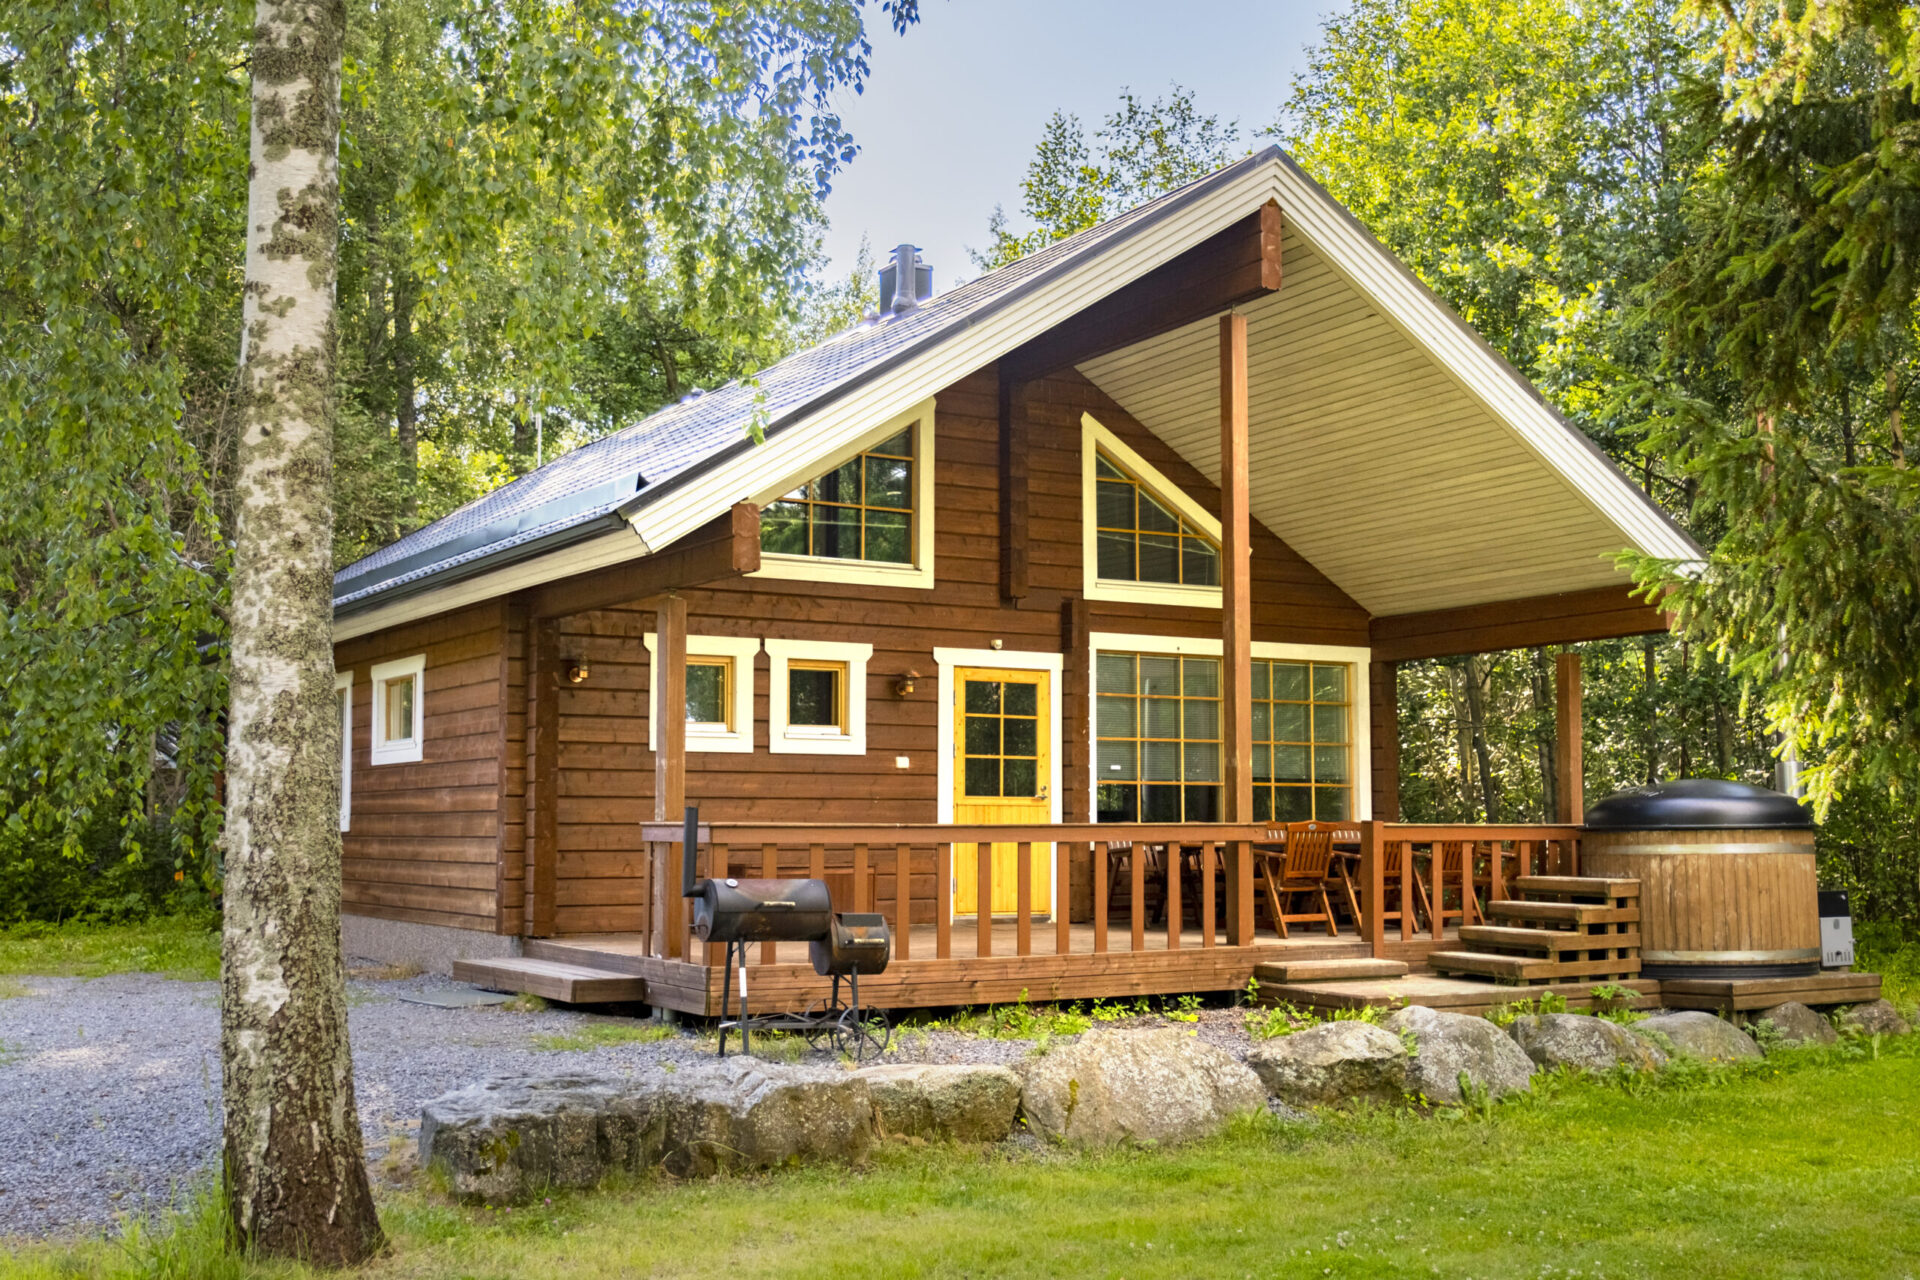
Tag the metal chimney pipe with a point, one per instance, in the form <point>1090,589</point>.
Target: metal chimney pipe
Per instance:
<point>689,842</point>
<point>906,262</point>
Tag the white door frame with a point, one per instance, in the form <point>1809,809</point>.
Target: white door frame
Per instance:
<point>950,660</point>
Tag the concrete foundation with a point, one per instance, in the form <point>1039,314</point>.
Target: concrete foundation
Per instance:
<point>431,948</point>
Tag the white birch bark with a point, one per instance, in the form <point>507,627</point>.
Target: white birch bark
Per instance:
<point>296,1180</point>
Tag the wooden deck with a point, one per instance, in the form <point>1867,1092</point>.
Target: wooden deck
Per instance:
<point>965,977</point>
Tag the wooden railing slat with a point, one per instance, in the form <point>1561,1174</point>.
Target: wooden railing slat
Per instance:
<point>983,899</point>
<point>943,892</point>
<point>1209,861</point>
<point>769,870</point>
<point>902,901</point>
<point>1101,852</point>
<point>1137,890</point>
<point>1023,900</point>
<point>1062,898</point>
<point>1174,918</point>
<point>860,899</point>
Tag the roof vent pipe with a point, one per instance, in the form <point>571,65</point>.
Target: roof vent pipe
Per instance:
<point>906,262</point>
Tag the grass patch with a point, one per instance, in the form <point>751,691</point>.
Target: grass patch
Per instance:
<point>1885,950</point>
<point>178,946</point>
<point>1798,1166</point>
<point>598,1035</point>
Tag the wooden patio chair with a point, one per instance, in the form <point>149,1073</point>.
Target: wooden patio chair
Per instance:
<point>1392,853</point>
<point>1513,862</point>
<point>1120,878</point>
<point>1304,866</point>
<point>1451,856</point>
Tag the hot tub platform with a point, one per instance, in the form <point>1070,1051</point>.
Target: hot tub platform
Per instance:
<point>1742,994</point>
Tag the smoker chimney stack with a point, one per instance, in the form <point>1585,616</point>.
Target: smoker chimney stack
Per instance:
<point>906,265</point>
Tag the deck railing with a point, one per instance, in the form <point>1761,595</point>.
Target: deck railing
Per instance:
<point>909,872</point>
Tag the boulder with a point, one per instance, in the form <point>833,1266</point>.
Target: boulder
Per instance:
<point>1135,1085</point>
<point>1698,1034</point>
<point>1332,1063</point>
<point>1797,1024</point>
<point>506,1139</point>
<point>949,1103</point>
<point>1584,1042</point>
<point>1875,1018</point>
<point>1448,1046</point>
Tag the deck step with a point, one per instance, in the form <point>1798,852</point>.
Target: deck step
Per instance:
<point>1549,941</point>
<point>1530,969</point>
<point>1273,971</point>
<point>1562,914</point>
<point>1597,887</point>
<point>552,980</point>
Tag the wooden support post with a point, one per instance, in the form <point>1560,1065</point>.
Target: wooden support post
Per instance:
<point>1571,805</point>
<point>1373,880</point>
<point>1236,622</point>
<point>670,712</point>
<point>543,774</point>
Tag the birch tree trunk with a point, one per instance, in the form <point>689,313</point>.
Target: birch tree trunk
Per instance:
<point>296,1178</point>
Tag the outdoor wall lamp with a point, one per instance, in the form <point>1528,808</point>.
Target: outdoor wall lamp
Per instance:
<point>904,685</point>
<point>577,672</point>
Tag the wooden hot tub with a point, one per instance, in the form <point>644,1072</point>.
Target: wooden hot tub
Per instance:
<point>1726,871</point>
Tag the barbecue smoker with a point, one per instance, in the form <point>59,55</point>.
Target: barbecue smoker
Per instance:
<point>840,944</point>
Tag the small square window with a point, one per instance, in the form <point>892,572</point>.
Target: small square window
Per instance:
<point>816,696</point>
<point>399,710</point>
<point>709,695</point>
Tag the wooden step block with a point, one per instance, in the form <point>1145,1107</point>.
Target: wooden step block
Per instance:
<point>1575,886</point>
<point>1274,971</point>
<point>552,980</point>
<point>1529,969</point>
<point>1562,914</point>
<point>1548,941</point>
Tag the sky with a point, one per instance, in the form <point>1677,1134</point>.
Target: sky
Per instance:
<point>953,109</point>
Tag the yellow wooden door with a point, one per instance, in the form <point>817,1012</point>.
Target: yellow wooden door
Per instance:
<point>1003,760</point>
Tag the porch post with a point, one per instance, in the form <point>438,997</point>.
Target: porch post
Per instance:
<point>1570,803</point>
<point>1236,621</point>
<point>669,766</point>
<point>541,801</point>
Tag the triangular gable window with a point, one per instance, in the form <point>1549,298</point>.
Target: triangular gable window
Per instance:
<point>861,510</point>
<point>1142,539</point>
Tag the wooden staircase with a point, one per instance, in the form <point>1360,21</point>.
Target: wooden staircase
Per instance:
<point>1556,929</point>
<point>552,980</point>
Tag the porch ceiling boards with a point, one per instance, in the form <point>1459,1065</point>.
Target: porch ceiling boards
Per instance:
<point>1368,456</point>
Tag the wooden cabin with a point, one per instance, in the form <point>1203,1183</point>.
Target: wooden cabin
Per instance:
<point>1060,591</point>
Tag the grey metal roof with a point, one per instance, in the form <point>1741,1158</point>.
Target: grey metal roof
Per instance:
<point>591,489</point>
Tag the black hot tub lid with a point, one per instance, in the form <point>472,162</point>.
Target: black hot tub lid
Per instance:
<point>1697,804</point>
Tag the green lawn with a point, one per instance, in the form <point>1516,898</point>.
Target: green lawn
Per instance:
<point>1802,1167</point>
<point>182,946</point>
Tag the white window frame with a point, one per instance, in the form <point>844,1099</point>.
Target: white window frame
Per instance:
<point>343,681</point>
<point>870,573</point>
<point>738,739</point>
<point>1356,657</point>
<point>399,750</point>
<point>786,739</point>
<point>1094,439</point>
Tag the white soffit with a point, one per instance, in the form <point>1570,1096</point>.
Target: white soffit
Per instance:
<point>1401,459</point>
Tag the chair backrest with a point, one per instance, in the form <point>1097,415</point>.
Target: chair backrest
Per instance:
<point>1391,851</point>
<point>1451,854</point>
<point>1309,850</point>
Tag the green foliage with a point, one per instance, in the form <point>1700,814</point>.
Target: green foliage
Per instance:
<point>1141,150</point>
<point>597,1035</point>
<point>1894,954</point>
<point>1505,1015</point>
<point>97,881</point>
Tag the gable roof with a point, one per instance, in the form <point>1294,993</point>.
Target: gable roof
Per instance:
<point>640,488</point>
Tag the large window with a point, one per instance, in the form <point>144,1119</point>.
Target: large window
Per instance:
<point>860,510</point>
<point>1158,724</point>
<point>1141,539</point>
<point>1302,741</point>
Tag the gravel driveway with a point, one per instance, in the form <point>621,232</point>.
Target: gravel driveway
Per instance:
<point>110,1087</point>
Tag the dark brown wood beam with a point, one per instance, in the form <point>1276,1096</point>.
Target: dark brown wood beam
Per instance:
<point>1233,266</point>
<point>1013,490</point>
<point>1383,703</point>
<point>725,547</point>
<point>670,710</point>
<point>1602,613</point>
